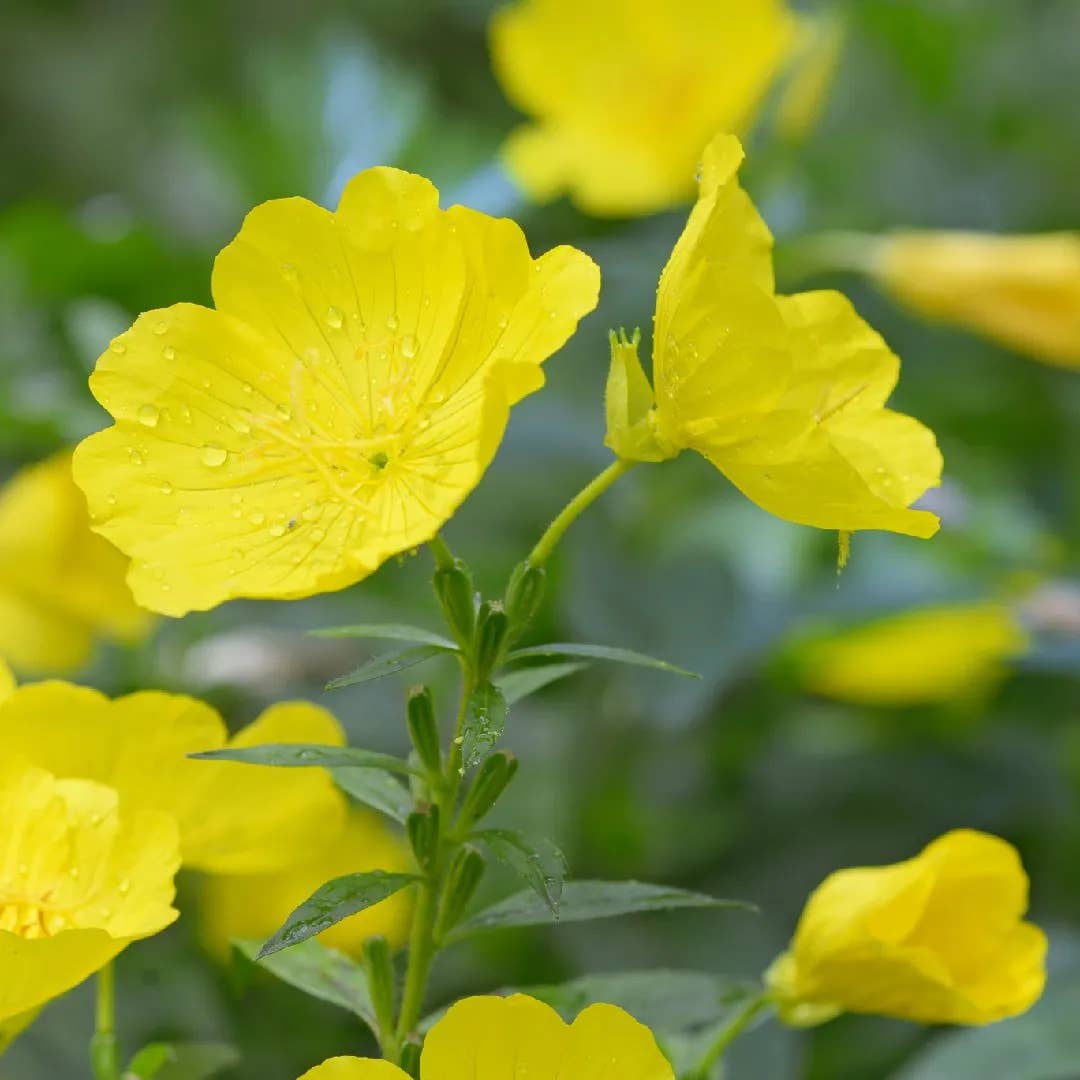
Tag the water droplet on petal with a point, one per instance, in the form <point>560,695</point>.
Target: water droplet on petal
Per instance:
<point>258,518</point>
<point>135,457</point>
<point>149,415</point>
<point>317,536</point>
<point>167,488</point>
<point>124,887</point>
<point>334,319</point>
<point>391,322</point>
<point>240,425</point>
<point>110,499</point>
<point>284,412</point>
<point>409,346</point>
<point>213,456</point>
<point>160,327</point>
<point>118,347</point>
<point>169,352</point>
<point>277,530</point>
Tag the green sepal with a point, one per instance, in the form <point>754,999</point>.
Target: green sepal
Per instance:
<point>461,881</point>
<point>629,403</point>
<point>454,588</point>
<point>422,828</point>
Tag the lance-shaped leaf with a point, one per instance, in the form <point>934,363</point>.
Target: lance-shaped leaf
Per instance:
<point>320,972</point>
<point>332,902</point>
<point>584,900</point>
<point>569,650</point>
<point>308,755</point>
<point>377,789</point>
<point>180,1061</point>
<point>387,632</point>
<point>519,684</point>
<point>538,861</point>
<point>378,667</point>
<point>485,720</point>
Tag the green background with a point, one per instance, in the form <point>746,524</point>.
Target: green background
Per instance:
<point>135,136</point>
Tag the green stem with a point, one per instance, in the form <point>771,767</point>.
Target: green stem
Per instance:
<point>575,507</point>
<point>104,1048</point>
<point>729,1033</point>
<point>444,557</point>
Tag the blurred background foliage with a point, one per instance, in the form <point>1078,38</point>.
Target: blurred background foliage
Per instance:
<point>135,136</point>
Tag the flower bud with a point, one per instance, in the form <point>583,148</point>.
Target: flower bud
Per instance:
<point>454,588</point>
<point>491,630</point>
<point>423,728</point>
<point>379,967</point>
<point>422,827</point>
<point>461,881</point>
<point>491,780</point>
<point>524,595</point>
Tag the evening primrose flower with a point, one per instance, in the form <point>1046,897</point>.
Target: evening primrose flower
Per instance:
<point>939,939</point>
<point>624,93</point>
<point>519,1036</point>
<point>232,818</point>
<point>341,401</point>
<point>61,586</point>
<point>81,876</point>
<point>785,395</point>
<point>255,905</point>
<point>930,654</point>
<point>1023,291</point>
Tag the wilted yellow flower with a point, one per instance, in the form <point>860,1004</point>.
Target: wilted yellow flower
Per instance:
<point>81,876</point>
<point>785,395</point>
<point>624,93</point>
<point>519,1036</point>
<point>345,396</point>
<point>233,818</point>
<point>1023,291</point>
<point>61,587</point>
<point>938,939</point>
<point>927,655</point>
<point>255,905</point>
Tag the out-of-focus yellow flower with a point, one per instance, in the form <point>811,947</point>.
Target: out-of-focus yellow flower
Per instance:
<point>927,655</point>
<point>816,58</point>
<point>624,93</point>
<point>7,681</point>
<point>255,905</point>
<point>1023,291</point>
<point>785,395</point>
<point>343,399</point>
<point>233,818</point>
<point>939,939</point>
<point>80,878</point>
<point>519,1036</point>
<point>61,587</point>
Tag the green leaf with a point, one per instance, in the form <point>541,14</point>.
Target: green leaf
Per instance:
<point>387,632</point>
<point>1043,1044</point>
<point>485,720</point>
<point>334,901</point>
<point>519,684</point>
<point>180,1061</point>
<point>375,788</point>
<point>308,755</point>
<point>320,972</point>
<point>539,862</point>
<point>389,664</point>
<point>598,652</point>
<point>584,900</point>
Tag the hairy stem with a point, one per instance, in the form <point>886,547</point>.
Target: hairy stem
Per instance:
<point>575,507</point>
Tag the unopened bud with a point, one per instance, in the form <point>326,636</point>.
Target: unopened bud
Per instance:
<point>423,728</point>
<point>464,875</point>
<point>454,588</point>
<point>422,827</point>
<point>491,628</point>
<point>524,595</point>
<point>379,967</point>
<point>491,780</point>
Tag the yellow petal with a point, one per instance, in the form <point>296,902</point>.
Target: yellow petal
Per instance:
<point>519,1037</point>
<point>334,410</point>
<point>625,93</point>
<point>12,1028</point>
<point>61,586</point>
<point>254,905</point>
<point>351,1068</point>
<point>140,744</point>
<point>926,655</point>
<point>1023,291</point>
<point>7,681</point>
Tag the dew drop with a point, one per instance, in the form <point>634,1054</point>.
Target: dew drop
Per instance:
<point>214,456</point>
<point>135,457</point>
<point>73,872</point>
<point>317,536</point>
<point>258,518</point>
<point>334,319</point>
<point>247,388</point>
<point>149,415</point>
<point>240,425</point>
<point>124,887</point>
<point>110,499</point>
<point>160,327</point>
<point>117,347</point>
<point>284,412</point>
<point>277,530</point>
<point>409,346</point>
<point>169,352</point>
<point>391,322</point>
<point>167,488</point>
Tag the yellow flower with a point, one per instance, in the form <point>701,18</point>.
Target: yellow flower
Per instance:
<point>927,655</point>
<point>80,878</point>
<point>938,939</point>
<point>233,818</point>
<point>1023,291</point>
<point>521,1037</point>
<point>7,681</point>
<point>817,56</point>
<point>61,587</point>
<point>255,905</point>
<point>624,93</point>
<point>785,395</point>
<point>338,405</point>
